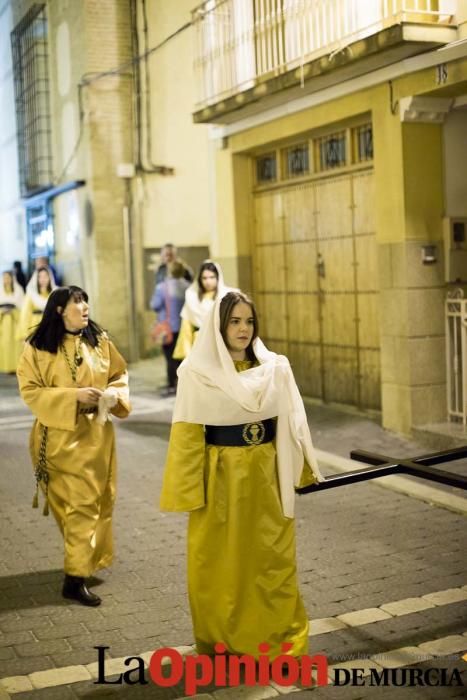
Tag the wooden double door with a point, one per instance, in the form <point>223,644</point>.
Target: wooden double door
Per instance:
<point>316,284</point>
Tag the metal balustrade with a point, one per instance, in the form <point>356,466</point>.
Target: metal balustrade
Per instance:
<point>238,42</point>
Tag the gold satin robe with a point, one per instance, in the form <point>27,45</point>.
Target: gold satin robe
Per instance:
<point>80,453</point>
<point>10,346</point>
<point>187,335</point>
<point>242,576</point>
<point>30,316</point>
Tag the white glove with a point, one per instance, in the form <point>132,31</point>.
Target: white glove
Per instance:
<point>107,401</point>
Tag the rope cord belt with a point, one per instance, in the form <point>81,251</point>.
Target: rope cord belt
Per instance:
<point>40,470</point>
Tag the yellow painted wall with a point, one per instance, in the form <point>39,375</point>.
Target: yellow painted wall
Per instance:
<point>422,145</point>
<point>175,208</point>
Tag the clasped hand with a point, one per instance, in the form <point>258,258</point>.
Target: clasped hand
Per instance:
<point>89,396</point>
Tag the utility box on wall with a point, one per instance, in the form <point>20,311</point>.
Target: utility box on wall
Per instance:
<point>455,249</point>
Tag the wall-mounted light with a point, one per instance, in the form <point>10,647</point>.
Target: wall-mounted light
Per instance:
<point>429,254</point>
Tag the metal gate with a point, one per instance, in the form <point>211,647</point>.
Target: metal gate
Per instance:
<point>456,354</point>
<point>316,284</point>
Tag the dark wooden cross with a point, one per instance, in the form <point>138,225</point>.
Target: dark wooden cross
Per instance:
<point>382,465</point>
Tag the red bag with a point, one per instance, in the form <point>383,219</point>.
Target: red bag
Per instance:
<point>161,332</point>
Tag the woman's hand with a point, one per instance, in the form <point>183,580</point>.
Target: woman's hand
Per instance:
<point>89,396</point>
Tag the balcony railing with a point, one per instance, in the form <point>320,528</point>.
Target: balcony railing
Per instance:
<point>240,42</point>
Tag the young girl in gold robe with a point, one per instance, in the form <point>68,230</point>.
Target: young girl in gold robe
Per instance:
<point>11,300</point>
<point>38,290</point>
<point>239,444</point>
<point>71,376</point>
<point>199,300</point>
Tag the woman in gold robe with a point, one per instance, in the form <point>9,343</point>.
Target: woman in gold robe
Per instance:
<point>199,300</point>
<point>11,300</point>
<point>72,377</point>
<point>239,444</point>
<point>38,290</point>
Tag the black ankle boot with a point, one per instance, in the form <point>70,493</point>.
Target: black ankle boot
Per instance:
<point>74,587</point>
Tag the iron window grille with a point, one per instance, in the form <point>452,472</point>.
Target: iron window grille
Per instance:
<point>297,160</point>
<point>266,168</point>
<point>29,42</point>
<point>363,140</point>
<point>332,151</point>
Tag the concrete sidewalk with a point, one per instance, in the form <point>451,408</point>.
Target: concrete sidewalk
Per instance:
<point>379,572</point>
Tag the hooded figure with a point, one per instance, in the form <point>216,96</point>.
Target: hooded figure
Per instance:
<point>38,290</point>
<point>199,300</point>
<point>239,445</point>
<point>11,300</point>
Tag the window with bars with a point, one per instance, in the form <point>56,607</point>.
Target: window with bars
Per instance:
<point>363,143</point>
<point>297,160</point>
<point>266,168</point>
<point>331,151</point>
<point>29,42</point>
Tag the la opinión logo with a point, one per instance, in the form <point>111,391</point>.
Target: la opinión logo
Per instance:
<point>224,670</point>
<point>167,668</point>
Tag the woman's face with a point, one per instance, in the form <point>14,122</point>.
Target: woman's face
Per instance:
<point>7,280</point>
<point>209,281</point>
<point>43,279</point>
<point>76,315</point>
<point>240,328</point>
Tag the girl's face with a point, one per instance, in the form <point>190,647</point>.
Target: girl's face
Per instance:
<point>209,281</point>
<point>240,328</point>
<point>7,281</point>
<point>43,279</point>
<point>76,315</point>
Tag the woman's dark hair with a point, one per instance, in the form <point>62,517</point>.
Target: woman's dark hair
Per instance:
<point>49,286</point>
<point>225,312</point>
<point>212,267</point>
<point>48,334</point>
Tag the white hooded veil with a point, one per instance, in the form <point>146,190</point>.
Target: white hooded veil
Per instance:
<point>195,309</point>
<point>38,300</point>
<point>211,392</point>
<point>16,297</point>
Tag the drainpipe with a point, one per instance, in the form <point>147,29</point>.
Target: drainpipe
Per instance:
<point>127,171</point>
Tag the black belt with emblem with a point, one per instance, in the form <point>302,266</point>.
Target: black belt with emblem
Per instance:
<point>241,435</point>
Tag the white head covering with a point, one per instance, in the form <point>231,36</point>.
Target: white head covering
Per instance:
<point>195,309</point>
<point>211,392</point>
<point>16,297</point>
<point>39,300</point>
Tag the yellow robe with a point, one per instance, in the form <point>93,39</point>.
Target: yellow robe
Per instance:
<point>80,453</point>
<point>242,578</point>
<point>29,317</point>
<point>10,347</point>
<point>187,335</point>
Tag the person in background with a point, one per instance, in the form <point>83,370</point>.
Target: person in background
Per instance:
<point>167,301</point>
<point>19,274</point>
<point>239,444</point>
<point>38,291</point>
<point>199,300</point>
<point>72,378</point>
<point>11,300</point>
<point>168,255</point>
<point>43,261</point>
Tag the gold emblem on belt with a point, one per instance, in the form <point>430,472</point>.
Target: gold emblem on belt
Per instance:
<point>253,433</point>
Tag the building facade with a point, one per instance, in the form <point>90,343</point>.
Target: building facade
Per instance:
<point>340,179</point>
<point>315,148</point>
